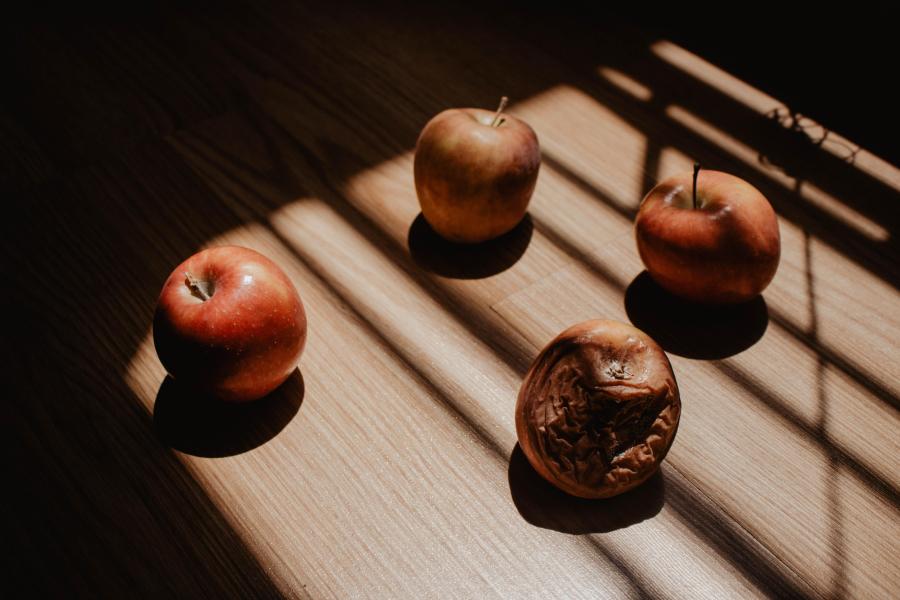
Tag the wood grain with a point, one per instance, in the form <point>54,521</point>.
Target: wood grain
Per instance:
<point>388,466</point>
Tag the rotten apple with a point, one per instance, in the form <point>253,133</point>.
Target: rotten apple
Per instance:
<point>229,323</point>
<point>708,237</point>
<point>475,171</point>
<point>598,409</point>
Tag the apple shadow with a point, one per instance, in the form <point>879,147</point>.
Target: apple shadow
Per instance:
<point>693,330</point>
<point>543,505</point>
<point>204,426</point>
<point>433,253</point>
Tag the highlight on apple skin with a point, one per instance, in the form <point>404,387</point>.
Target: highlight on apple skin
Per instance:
<point>716,242</point>
<point>475,171</point>
<point>229,323</point>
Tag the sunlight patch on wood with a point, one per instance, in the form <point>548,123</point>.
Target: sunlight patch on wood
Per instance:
<point>673,161</point>
<point>424,333</point>
<point>625,83</point>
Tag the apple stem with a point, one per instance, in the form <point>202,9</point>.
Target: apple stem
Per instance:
<point>193,284</point>
<point>497,121</point>
<point>694,188</point>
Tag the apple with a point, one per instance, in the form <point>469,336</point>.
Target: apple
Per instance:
<point>708,237</point>
<point>229,323</point>
<point>598,409</point>
<point>475,171</point>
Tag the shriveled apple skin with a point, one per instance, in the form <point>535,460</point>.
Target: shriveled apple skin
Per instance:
<point>598,409</point>
<point>241,343</point>
<point>474,181</point>
<point>725,252</point>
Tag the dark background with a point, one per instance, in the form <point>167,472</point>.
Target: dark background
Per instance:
<point>836,63</point>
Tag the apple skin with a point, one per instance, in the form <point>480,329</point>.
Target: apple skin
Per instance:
<point>473,180</point>
<point>724,252</point>
<point>241,343</point>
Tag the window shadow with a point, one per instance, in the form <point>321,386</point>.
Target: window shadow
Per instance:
<point>433,253</point>
<point>709,521</point>
<point>203,426</point>
<point>798,158</point>
<point>845,364</point>
<point>862,192</point>
<point>694,330</point>
<point>543,505</point>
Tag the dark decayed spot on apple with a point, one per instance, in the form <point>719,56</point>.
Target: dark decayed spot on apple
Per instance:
<point>442,257</point>
<point>543,505</point>
<point>204,426</point>
<point>694,330</point>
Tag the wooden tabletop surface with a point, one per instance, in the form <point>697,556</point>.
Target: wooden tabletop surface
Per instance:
<point>388,465</point>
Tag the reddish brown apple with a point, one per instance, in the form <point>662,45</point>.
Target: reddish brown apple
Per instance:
<point>598,409</point>
<point>708,237</point>
<point>230,324</point>
<point>475,171</point>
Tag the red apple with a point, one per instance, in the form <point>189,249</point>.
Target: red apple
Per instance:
<point>475,171</point>
<point>229,323</point>
<point>719,247</point>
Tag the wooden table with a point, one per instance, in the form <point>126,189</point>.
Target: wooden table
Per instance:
<point>390,468</point>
